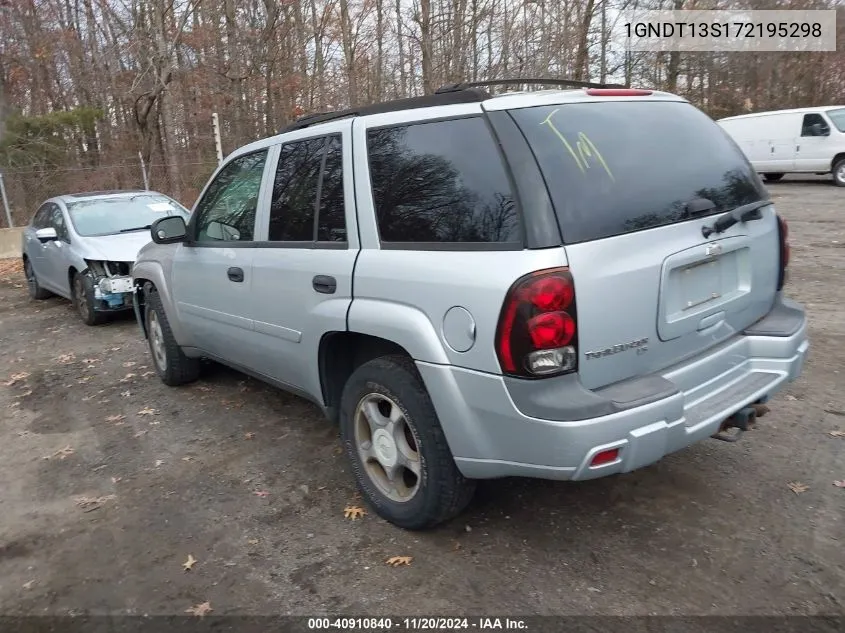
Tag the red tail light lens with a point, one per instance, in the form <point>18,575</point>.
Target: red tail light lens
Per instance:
<point>783,235</point>
<point>537,333</point>
<point>618,92</point>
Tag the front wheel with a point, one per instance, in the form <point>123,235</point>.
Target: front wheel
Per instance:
<point>171,364</point>
<point>83,299</point>
<point>400,458</point>
<point>35,289</point>
<point>839,173</point>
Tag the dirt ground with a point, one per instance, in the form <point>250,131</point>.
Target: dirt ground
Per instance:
<point>109,481</point>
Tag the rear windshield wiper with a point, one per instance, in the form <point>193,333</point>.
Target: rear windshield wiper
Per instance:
<point>745,213</point>
<point>137,228</point>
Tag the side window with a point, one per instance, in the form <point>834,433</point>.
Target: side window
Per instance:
<point>227,210</point>
<point>57,221</point>
<point>332,214</point>
<point>41,220</point>
<point>814,125</point>
<point>442,181</point>
<point>295,190</point>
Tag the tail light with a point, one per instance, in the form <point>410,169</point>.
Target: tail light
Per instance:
<point>783,238</point>
<point>537,335</point>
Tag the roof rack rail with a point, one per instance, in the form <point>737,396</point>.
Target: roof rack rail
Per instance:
<point>463,95</point>
<point>572,83</point>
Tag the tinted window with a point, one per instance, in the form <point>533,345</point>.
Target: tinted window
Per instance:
<point>619,167</point>
<point>441,182</point>
<point>332,217</point>
<point>227,210</point>
<point>295,191</point>
<point>57,221</point>
<point>838,118</point>
<point>106,216</point>
<point>42,217</point>
<point>810,121</point>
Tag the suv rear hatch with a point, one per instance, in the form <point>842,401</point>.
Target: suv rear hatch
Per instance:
<point>633,182</point>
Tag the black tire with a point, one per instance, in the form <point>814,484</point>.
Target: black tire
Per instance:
<point>35,290</point>
<point>443,492</point>
<point>176,368</point>
<point>770,177</point>
<point>82,295</point>
<point>839,173</point>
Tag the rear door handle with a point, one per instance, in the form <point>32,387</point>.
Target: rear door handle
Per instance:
<point>235,274</point>
<point>324,284</point>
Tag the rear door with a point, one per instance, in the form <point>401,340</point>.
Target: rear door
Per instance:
<point>57,260</point>
<point>631,181</point>
<point>303,263</point>
<point>35,250</point>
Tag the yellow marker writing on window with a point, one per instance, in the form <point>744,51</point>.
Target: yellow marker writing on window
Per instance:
<point>583,151</point>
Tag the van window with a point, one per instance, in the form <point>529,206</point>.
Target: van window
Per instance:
<point>619,167</point>
<point>838,118</point>
<point>814,125</point>
<point>442,181</point>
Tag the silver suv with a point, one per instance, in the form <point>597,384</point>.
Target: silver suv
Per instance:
<point>561,284</point>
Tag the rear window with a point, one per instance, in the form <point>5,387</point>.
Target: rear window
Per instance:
<point>618,167</point>
<point>441,182</point>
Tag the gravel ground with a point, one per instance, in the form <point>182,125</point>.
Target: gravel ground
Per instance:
<point>109,481</point>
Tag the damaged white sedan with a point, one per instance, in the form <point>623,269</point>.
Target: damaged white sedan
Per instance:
<point>82,247</point>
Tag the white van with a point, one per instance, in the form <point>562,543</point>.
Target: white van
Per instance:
<point>804,140</point>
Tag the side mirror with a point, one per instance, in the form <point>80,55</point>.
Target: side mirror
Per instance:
<point>46,235</point>
<point>169,230</point>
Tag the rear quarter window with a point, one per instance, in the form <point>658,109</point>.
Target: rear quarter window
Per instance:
<point>618,167</point>
<point>441,182</point>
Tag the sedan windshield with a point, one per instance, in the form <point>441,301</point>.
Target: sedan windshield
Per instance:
<point>107,216</point>
<point>838,118</point>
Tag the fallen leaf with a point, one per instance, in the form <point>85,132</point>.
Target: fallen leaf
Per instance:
<point>61,453</point>
<point>140,433</point>
<point>395,561</point>
<point>28,585</point>
<point>147,373</point>
<point>189,564</point>
<point>455,546</point>
<point>253,541</point>
<point>88,361</point>
<point>203,388</point>
<point>260,493</point>
<point>836,433</point>
<point>840,483</point>
<point>115,418</point>
<point>353,512</point>
<point>114,349</point>
<point>26,393</point>
<point>159,462</point>
<point>92,503</point>
<point>200,609</point>
<point>187,458</point>
<point>64,359</point>
<point>125,394</point>
<point>249,435</point>
<point>338,450</point>
<point>127,377</point>
<point>797,487</point>
<point>789,396</point>
<point>130,363</point>
<point>84,379</point>
<point>148,411</point>
<point>114,480</point>
<point>15,378</point>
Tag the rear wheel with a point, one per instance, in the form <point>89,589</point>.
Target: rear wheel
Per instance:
<point>771,177</point>
<point>83,298</point>
<point>400,458</point>
<point>172,366</point>
<point>35,290</point>
<point>839,173</point>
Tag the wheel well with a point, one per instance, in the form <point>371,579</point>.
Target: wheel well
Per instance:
<point>71,273</point>
<point>143,287</point>
<point>836,159</point>
<point>341,353</point>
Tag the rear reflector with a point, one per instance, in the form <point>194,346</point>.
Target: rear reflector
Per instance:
<point>605,457</point>
<point>618,92</point>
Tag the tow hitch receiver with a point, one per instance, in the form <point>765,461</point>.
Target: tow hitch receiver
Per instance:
<point>743,420</point>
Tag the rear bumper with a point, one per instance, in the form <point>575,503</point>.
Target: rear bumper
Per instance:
<point>492,436</point>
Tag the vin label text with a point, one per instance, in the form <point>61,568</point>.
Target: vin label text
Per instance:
<point>751,31</point>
